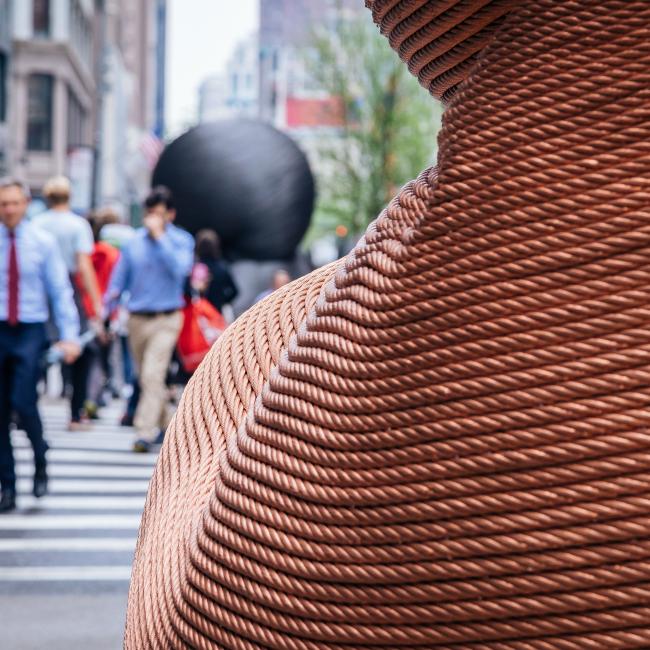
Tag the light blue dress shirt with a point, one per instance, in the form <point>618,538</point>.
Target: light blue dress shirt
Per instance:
<point>42,274</point>
<point>153,271</point>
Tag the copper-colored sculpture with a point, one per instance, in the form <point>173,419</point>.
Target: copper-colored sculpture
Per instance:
<point>441,441</point>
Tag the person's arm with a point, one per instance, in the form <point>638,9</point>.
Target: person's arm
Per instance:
<point>230,290</point>
<point>177,257</point>
<point>83,249</point>
<point>118,282</point>
<point>89,279</point>
<point>59,290</point>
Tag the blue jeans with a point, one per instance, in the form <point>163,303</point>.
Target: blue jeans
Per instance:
<point>21,350</point>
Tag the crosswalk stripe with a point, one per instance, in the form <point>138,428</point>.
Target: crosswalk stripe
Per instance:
<point>84,486</point>
<point>64,573</point>
<point>109,433</point>
<point>62,423</point>
<point>69,522</point>
<point>75,438</point>
<point>91,471</point>
<point>68,544</point>
<point>85,456</point>
<point>90,445</point>
<point>82,503</point>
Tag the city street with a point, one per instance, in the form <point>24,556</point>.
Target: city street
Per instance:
<point>65,560</point>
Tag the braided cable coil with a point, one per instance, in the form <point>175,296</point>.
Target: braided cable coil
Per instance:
<point>442,440</point>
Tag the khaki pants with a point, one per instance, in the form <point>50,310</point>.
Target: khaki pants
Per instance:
<point>152,340</point>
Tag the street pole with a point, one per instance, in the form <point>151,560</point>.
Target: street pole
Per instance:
<point>100,6</point>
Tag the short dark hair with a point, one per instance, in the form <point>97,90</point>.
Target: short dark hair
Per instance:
<point>207,245</point>
<point>100,218</point>
<point>159,195</point>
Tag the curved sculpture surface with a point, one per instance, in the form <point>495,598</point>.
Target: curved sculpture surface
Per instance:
<point>244,179</point>
<point>441,441</point>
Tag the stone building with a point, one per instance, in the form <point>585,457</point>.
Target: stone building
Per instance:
<point>51,86</point>
<point>5,49</point>
<point>81,93</point>
<point>232,93</point>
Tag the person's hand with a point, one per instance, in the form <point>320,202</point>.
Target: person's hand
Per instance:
<point>69,350</point>
<point>155,224</point>
<point>100,312</point>
<point>98,327</point>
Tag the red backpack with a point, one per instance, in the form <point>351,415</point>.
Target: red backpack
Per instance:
<point>203,324</point>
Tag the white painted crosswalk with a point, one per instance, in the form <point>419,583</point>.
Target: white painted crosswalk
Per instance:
<point>85,529</point>
<point>70,522</point>
<point>67,544</point>
<point>91,471</point>
<point>93,503</point>
<point>83,486</point>
<point>65,573</point>
<point>101,457</point>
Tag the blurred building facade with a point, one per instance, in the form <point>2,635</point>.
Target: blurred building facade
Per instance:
<point>213,99</point>
<point>132,91</point>
<point>5,49</point>
<point>233,93</point>
<point>138,32</point>
<point>81,88</point>
<point>287,96</point>
<point>266,76</point>
<point>51,88</point>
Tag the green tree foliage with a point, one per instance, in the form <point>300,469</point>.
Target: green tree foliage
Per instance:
<point>389,125</point>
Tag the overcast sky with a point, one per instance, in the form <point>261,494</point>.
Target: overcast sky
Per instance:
<point>201,35</point>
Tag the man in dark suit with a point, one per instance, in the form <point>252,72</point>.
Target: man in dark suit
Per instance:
<point>32,273</point>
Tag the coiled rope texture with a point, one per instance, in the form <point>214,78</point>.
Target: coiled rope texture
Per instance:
<point>442,440</point>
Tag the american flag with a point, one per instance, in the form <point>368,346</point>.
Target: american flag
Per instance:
<point>151,147</point>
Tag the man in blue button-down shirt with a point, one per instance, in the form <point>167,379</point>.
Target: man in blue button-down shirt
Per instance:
<point>152,268</point>
<point>32,272</point>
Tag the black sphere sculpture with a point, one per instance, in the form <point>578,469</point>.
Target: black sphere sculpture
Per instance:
<point>244,179</point>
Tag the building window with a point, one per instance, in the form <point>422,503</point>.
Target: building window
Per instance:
<point>76,121</point>
<point>41,18</point>
<point>3,87</point>
<point>39,112</point>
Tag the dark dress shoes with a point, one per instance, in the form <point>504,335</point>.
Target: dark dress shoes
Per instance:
<point>40,483</point>
<point>8,500</point>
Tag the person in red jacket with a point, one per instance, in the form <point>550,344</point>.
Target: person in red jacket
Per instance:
<point>104,257</point>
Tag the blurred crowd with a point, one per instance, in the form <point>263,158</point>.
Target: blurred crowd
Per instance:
<point>123,312</point>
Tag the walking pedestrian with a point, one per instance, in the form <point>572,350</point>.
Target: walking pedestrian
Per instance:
<point>280,278</point>
<point>153,267</point>
<point>32,272</point>
<point>220,288</point>
<point>117,235</point>
<point>75,240</point>
<point>104,258</point>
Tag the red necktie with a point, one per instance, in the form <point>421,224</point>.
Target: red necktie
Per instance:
<point>12,311</point>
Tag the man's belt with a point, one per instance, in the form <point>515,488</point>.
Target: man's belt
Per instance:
<point>152,314</point>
